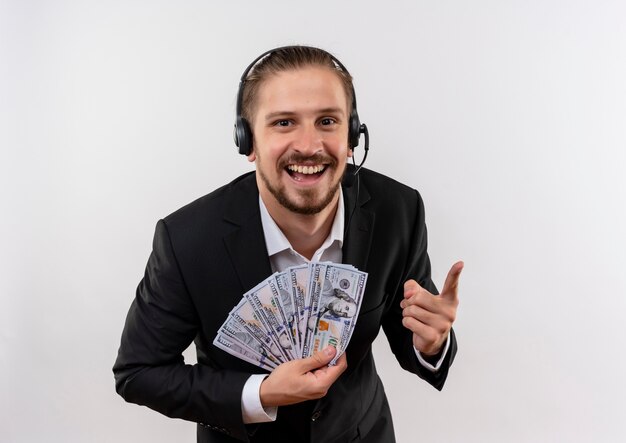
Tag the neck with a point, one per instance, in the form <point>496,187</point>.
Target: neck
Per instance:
<point>305,233</point>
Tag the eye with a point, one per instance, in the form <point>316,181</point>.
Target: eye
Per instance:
<point>282,123</point>
<point>327,121</point>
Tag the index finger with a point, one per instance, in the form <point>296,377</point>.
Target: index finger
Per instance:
<point>450,287</point>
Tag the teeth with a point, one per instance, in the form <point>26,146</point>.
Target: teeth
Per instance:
<point>306,169</point>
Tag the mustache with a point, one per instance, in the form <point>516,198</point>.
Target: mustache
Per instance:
<point>316,159</point>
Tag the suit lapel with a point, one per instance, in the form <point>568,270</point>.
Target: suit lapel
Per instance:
<point>360,224</point>
<point>246,243</point>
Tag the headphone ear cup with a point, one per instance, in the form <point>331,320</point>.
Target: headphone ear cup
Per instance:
<point>354,133</point>
<point>243,136</point>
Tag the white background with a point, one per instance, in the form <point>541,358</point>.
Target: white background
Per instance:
<point>509,117</point>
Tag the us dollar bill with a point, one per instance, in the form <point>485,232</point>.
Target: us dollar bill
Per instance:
<point>235,332</point>
<point>336,293</point>
<point>299,279</point>
<point>316,273</point>
<point>264,300</point>
<point>237,349</point>
<point>281,285</point>
<point>246,317</point>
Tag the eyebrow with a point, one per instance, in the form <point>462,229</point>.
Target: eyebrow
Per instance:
<point>273,115</point>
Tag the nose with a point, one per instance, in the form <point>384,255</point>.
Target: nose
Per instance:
<point>308,140</point>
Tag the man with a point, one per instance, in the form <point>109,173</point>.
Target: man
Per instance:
<point>297,122</point>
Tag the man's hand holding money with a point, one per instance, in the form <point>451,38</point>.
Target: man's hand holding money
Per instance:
<point>302,379</point>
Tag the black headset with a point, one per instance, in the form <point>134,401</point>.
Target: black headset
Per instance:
<point>243,133</point>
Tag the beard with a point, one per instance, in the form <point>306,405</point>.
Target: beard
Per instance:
<point>309,201</point>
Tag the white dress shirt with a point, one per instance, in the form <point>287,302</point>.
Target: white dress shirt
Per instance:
<point>283,256</point>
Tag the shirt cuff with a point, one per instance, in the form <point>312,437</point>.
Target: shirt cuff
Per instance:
<point>251,408</point>
<point>427,365</point>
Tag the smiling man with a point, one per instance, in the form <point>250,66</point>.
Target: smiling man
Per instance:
<point>297,121</point>
<point>300,132</point>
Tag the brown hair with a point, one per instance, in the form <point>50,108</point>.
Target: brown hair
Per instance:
<point>288,59</point>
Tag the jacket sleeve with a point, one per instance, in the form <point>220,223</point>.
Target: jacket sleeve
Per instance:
<point>150,369</point>
<point>400,339</point>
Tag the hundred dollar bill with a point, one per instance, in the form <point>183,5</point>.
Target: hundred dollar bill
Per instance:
<point>281,285</point>
<point>307,323</point>
<point>299,277</point>
<point>244,315</point>
<point>235,332</point>
<point>263,299</point>
<point>336,293</point>
<point>238,350</point>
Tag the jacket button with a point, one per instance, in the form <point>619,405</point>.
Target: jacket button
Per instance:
<point>316,415</point>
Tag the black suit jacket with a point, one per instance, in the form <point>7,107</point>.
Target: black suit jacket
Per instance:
<point>208,253</point>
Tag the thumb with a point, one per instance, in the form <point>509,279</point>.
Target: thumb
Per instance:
<point>319,359</point>
<point>451,286</point>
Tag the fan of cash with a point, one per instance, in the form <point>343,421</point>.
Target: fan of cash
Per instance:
<point>293,314</point>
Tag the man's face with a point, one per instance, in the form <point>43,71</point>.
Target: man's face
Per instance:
<point>300,132</point>
<point>342,308</point>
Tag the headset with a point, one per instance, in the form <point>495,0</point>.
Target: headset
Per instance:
<point>243,133</point>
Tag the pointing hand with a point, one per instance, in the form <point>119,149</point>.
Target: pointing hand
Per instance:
<point>430,317</point>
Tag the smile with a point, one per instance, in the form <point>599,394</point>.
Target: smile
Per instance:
<point>306,170</point>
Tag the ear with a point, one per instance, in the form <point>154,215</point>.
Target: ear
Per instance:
<point>350,152</point>
<point>252,156</point>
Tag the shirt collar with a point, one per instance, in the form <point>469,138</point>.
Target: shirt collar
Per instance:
<point>275,240</point>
